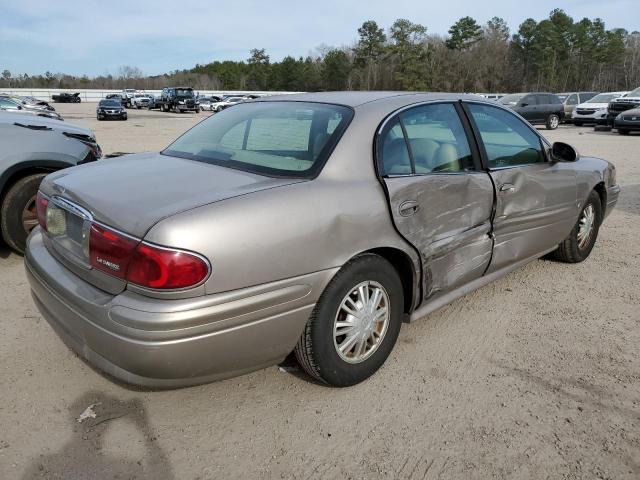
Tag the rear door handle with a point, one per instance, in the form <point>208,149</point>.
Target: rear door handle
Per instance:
<point>408,208</point>
<point>507,188</point>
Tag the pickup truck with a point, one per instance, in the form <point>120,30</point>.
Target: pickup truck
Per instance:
<point>178,99</point>
<point>140,100</point>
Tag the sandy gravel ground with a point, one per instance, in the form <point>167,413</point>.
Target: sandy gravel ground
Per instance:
<point>534,376</point>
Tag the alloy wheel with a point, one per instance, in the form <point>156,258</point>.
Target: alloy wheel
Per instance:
<point>586,226</point>
<point>361,322</point>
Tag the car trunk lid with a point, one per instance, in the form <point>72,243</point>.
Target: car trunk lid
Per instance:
<point>131,194</point>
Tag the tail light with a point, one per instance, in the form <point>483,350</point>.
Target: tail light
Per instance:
<point>144,264</point>
<point>166,268</point>
<point>110,251</point>
<point>41,207</point>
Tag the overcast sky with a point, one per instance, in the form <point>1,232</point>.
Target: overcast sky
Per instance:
<point>94,37</point>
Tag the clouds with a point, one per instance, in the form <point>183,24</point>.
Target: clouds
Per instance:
<point>96,36</point>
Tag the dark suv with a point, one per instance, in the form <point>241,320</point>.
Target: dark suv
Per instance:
<point>537,108</point>
<point>622,104</point>
<point>178,99</point>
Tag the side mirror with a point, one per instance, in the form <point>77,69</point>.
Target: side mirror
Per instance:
<point>563,152</point>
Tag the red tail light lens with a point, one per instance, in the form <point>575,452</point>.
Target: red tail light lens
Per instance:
<point>110,251</point>
<point>166,269</point>
<point>143,264</point>
<point>42,203</point>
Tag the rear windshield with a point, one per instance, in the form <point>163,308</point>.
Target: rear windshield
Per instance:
<point>283,139</point>
<point>512,99</point>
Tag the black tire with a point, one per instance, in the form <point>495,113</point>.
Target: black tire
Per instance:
<point>316,352</point>
<point>623,131</point>
<point>578,124</point>
<point>20,196</point>
<point>569,250</point>
<point>552,122</point>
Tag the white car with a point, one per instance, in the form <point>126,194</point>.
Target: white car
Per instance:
<point>140,100</point>
<point>206,103</point>
<point>226,102</point>
<point>594,110</point>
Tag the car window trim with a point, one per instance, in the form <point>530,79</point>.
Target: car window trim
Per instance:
<point>544,145</point>
<point>457,105</point>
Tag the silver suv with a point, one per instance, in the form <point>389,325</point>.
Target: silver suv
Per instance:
<point>31,147</point>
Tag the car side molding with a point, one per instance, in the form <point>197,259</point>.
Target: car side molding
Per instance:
<point>437,303</point>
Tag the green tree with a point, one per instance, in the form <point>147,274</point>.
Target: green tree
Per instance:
<point>369,52</point>
<point>497,29</point>
<point>409,52</point>
<point>463,34</point>
<point>335,70</point>
<point>258,64</point>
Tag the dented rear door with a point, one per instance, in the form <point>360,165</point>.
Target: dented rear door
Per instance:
<point>440,200</point>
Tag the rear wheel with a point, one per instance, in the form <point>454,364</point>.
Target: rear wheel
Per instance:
<point>355,324</point>
<point>552,122</point>
<point>622,131</point>
<point>18,215</point>
<point>578,245</point>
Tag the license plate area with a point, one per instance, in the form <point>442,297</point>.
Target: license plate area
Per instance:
<point>70,232</point>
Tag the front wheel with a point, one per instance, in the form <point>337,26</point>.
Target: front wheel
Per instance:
<point>552,122</point>
<point>578,245</point>
<point>622,131</point>
<point>355,324</point>
<point>578,124</point>
<point>18,215</point>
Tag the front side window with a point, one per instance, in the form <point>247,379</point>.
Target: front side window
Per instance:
<point>572,100</point>
<point>507,140</point>
<point>433,141</point>
<point>291,139</point>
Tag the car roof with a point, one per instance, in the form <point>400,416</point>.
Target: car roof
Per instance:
<point>355,99</point>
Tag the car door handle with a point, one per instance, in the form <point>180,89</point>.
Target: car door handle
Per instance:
<point>507,188</point>
<point>408,208</point>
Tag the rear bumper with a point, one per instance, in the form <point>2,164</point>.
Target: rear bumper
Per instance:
<point>171,343</point>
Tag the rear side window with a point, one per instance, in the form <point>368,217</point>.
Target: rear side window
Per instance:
<point>507,140</point>
<point>423,140</point>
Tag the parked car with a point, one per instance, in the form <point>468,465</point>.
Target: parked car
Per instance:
<point>140,100</point>
<point>127,94</point>
<point>571,99</point>
<point>178,99</point>
<point>622,104</point>
<point>275,226</point>
<point>227,102</point>
<point>65,97</point>
<point>29,103</point>
<point>594,110</point>
<point>110,109</point>
<point>154,102</point>
<point>30,147</point>
<point>116,96</point>
<point>8,104</point>
<point>536,108</point>
<point>206,103</point>
<point>628,121</point>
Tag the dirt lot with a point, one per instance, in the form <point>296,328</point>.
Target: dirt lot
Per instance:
<point>534,376</point>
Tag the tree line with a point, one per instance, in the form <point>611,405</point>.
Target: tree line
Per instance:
<point>555,54</point>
